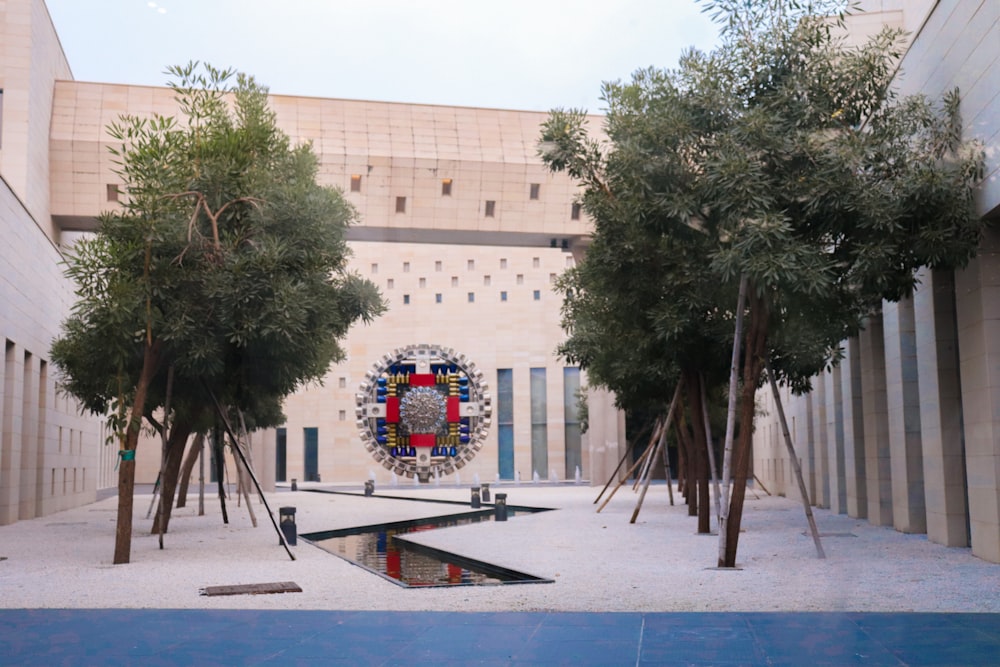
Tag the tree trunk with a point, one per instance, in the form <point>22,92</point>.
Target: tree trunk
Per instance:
<point>126,469</point>
<point>691,457</point>
<point>753,365</point>
<point>692,381</point>
<point>179,434</point>
<point>727,456</point>
<point>187,467</point>
<point>711,448</point>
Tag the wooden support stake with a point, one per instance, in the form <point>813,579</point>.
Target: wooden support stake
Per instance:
<point>666,425</point>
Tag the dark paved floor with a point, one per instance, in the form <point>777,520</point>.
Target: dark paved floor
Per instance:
<point>151,637</point>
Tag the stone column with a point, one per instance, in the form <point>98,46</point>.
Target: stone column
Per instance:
<point>854,430</point>
<point>11,433</point>
<point>820,460</point>
<point>903,401</point>
<point>605,436</point>
<point>835,441</point>
<point>977,304</point>
<point>941,409</point>
<point>878,472</point>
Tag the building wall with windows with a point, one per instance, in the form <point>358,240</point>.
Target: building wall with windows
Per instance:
<point>905,432</point>
<point>51,457</point>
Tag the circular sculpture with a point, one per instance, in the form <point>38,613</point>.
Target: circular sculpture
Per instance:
<point>423,411</point>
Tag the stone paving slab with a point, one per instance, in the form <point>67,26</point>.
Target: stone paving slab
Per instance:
<point>152,637</point>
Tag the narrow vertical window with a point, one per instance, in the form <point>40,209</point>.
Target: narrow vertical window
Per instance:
<point>535,262</point>
<point>374,267</point>
<point>401,205</point>
<point>437,266</point>
<point>503,296</point>
<point>471,265</point>
<point>505,423</point>
<point>406,267</point>
<point>454,281</point>
<point>575,212</point>
<point>111,190</point>
<point>342,415</point>
<point>342,383</point>
<point>534,190</point>
<point>486,281</point>
<point>472,297</point>
<point>520,279</point>
<point>539,424</point>
<point>406,299</point>
<point>423,282</point>
<point>390,283</point>
<point>437,297</point>
<point>503,262</point>
<point>537,295</point>
<point>445,187</point>
<point>355,182</point>
<point>490,208</point>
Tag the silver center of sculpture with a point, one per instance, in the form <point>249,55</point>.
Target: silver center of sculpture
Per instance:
<point>422,410</point>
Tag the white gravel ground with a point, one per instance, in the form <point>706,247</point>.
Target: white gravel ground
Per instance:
<point>598,561</point>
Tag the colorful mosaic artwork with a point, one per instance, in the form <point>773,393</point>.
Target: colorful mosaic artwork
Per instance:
<point>423,411</point>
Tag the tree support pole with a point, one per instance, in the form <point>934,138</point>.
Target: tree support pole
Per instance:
<point>660,443</point>
<point>795,460</point>
<point>727,457</point>
<point>229,430</point>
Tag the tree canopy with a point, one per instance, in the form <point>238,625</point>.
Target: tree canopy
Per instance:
<point>783,157</point>
<point>225,267</point>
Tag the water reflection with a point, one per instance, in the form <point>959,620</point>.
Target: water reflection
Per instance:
<point>382,549</point>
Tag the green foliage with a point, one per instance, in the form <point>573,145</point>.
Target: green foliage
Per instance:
<point>226,252</point>
<point>784,156</point>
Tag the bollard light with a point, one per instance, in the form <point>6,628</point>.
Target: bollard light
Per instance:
<point>500,507</point>
<point>286,520</point>
<point>486,493</point>
<point>295,484</point>
<point>476,502</point>
<point>369,487</point>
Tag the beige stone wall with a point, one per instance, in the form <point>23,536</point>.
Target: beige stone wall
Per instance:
<point>928,455</point>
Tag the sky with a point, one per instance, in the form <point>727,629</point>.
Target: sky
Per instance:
<point>534,55</point>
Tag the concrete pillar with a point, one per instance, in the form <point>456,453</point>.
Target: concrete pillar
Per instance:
<point>820,462</point>
<point>11,435</point>
<point>903,401</point>
<point>854,431</point>
<point>977,304</point>
<point>606,442</point>
<point>808,452</point>
<point>878,472</point>
<point>837,483</point>
<point>945,486</point>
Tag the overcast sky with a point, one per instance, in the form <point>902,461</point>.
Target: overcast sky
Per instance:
<point>514,54</point>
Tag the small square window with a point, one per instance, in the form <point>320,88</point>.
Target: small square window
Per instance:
<point>486,281</point>
<point>520,279</point>
<point>374,267</point>
<point>342,415</point>
<point>390,283</point>
<point>342,383</point>
<point>575,212</point>
<point>406,267</point>
<point>503,296</point>
<point>503,262</point>
<point>533,192</point>
<point>401,205</point>
<point>406,299</point>
<point>454,281</point>
<point>437,265</point>
<point>423,282</point>
<point>445,187</point>
<point>535,262</point>
<point>471,265</point>
<point>472,297</point>
<point>355,182</point>
<point>536,295</point>
<point>112,192</point>
<point>490,208</point>
<point>437,298</point>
